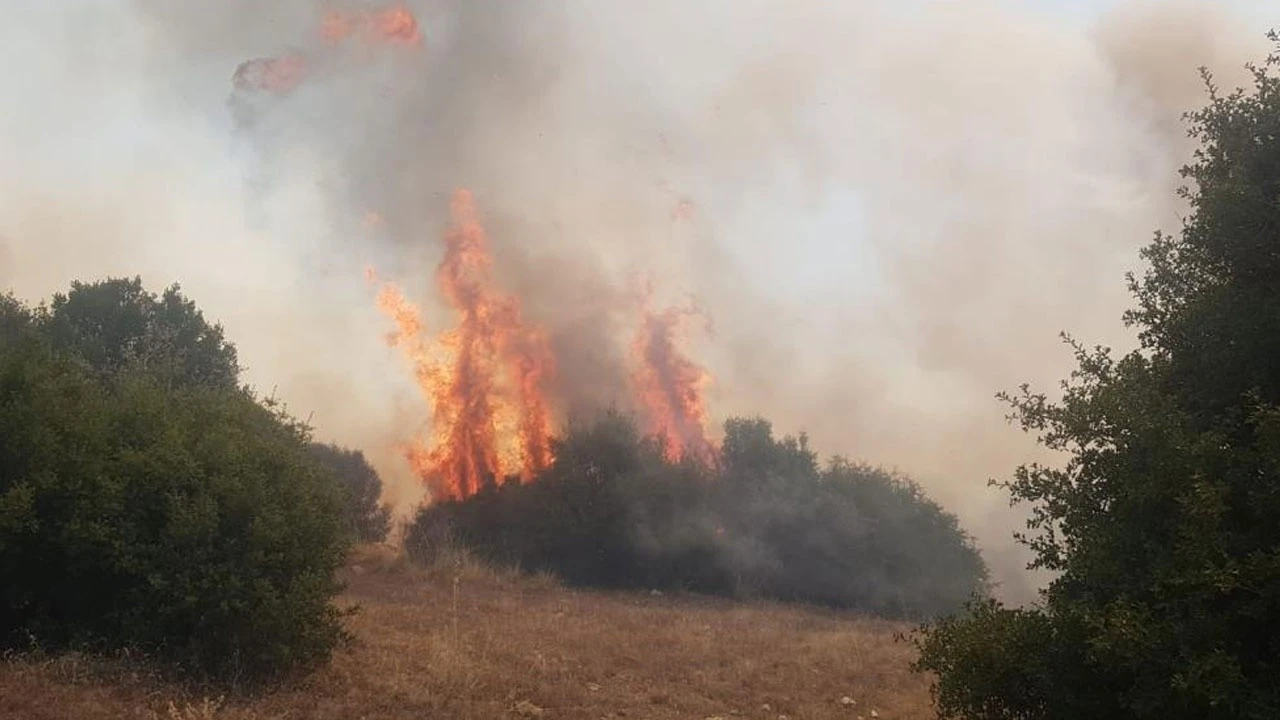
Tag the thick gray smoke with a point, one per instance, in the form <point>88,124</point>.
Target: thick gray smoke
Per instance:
<point>888,209</point>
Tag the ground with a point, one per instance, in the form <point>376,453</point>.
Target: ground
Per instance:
<point>461,641</point>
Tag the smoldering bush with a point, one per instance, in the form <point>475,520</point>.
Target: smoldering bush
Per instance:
<point>768,520</point>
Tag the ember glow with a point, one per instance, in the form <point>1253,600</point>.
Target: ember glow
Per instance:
<point>484,379</point>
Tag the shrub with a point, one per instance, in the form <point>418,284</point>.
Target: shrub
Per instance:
<point>188,522</point>
<point>367,520</point>
<point>612,512</point>
<point>115,325</point>
<point>1161,526</point>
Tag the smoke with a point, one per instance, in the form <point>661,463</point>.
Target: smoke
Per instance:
<point>888,209</point>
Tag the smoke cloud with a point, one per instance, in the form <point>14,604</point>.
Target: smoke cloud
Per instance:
<point>888,209</point>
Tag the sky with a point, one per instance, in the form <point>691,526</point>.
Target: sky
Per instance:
<point>896,206</point>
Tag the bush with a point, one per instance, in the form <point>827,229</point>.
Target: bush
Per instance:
<point>115,326</point>
<point>612,512</point>
<point>367,520</point>
<point>188,522</point>
<point>1161,526</point>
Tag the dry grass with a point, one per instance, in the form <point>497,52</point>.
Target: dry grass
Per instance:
<point>462,641</point>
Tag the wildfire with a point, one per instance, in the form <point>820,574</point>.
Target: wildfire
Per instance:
<point>392,25</point>
<point>484,380</point>
<point>669,386</point>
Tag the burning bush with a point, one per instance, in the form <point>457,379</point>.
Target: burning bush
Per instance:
<point>762,519</point>
<point>148,503</point>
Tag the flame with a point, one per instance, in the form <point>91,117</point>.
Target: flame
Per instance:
<point>670,387</point>
<point>395,25</point>
<point>484,380</point>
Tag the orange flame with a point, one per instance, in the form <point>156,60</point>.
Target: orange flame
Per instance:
<point>280,75</point>
<point>669,386</point>
<point>484,379</point>
<point>395,25</point>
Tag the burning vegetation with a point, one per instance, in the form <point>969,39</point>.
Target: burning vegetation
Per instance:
<point>393,25</point>
<point>484,380</point>
<point>277,76</point>
<point>487,379</point>
<point>669,386</point>
<point>602,470</point>
<point>643,497</point>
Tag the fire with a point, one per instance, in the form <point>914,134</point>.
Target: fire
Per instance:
<point>484,380</point>
<point>395,25</point>
<point>669,386</point>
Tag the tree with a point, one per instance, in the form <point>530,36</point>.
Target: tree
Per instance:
<point>368,520</point>
<point>763,519</point>
<point>116,325</point>
<point>846,534</point>
<point>1163,526</point>
<point>183,519</point>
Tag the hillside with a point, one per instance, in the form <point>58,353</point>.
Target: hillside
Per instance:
<point>461,641</point>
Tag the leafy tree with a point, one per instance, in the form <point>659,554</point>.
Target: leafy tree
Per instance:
<point>847,535</point>
<point>15,320</point>
<point>764,519</point>
<point>117,325</point>
<point>1162,525</point>
<point>185,520</point>
<point>368,520</point>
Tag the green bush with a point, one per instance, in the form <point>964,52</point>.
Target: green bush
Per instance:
<point>765,521</point>
<point>115,325</point>
<point>187,521</point>
<point>1161,526</point>
<point>367,520</point>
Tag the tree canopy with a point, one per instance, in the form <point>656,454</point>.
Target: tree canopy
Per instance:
<point>1163,525</point>
<point>367,518</point>
<point>116,325</point>
<point>765,519</point>
<point>149,503</point>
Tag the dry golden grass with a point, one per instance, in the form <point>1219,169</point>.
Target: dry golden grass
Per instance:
<point>462,641</point>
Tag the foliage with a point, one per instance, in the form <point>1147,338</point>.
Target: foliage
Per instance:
<point>150,510</point>
<point>613,512</point>
<point>1162,524</point>
<point>367,520</point>
<point>116,325</point>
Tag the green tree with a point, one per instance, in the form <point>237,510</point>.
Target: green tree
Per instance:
<point>368,520</point>
<point>188,521</point>
<point>846,534</point>
<point>116,325</point>
<point>764,519</point>
<point>1163,526</point>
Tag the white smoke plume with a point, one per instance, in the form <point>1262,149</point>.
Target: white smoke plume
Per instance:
<point>888,209</point>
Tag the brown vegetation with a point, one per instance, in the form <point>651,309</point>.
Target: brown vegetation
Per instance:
<point>461,641</point>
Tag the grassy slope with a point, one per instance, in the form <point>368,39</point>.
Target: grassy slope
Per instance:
<point>463,642</point>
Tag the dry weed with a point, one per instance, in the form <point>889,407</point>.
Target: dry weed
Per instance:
<point>461,640</point>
